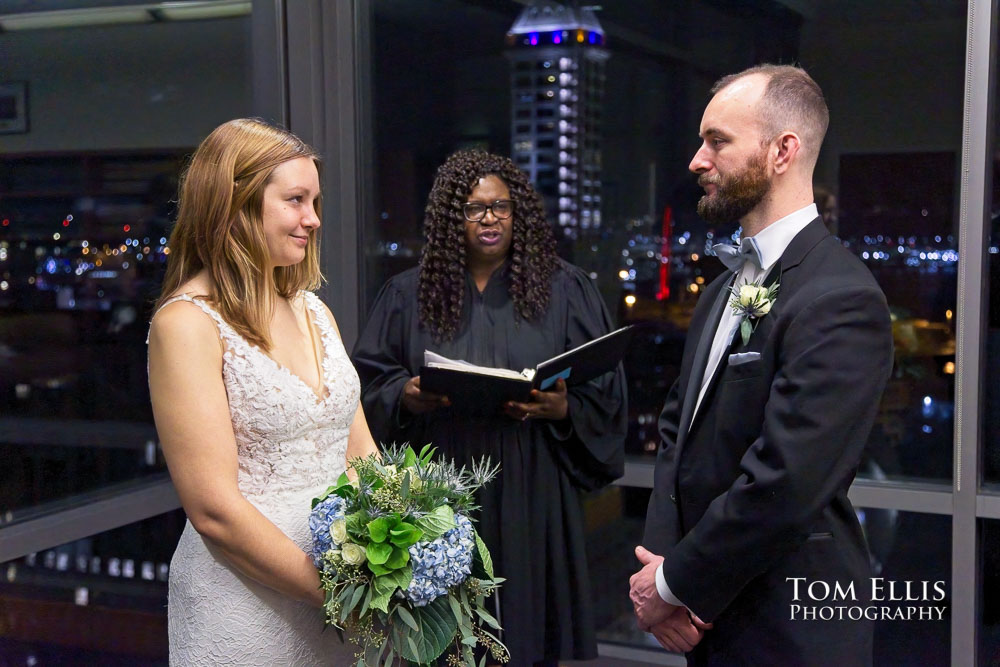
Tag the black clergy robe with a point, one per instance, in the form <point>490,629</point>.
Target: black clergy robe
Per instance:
<point>531,517</point>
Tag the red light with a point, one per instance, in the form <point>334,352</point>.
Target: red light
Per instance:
<point>65,223</point>
<point>6,222</point>
<point>127,228</point>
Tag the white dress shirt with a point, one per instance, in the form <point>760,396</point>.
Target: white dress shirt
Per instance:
<point>772,242</point>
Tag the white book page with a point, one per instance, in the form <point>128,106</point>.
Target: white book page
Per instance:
<point>435,360</point>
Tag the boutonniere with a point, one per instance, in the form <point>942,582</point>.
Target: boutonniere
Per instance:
<point>750,302</point>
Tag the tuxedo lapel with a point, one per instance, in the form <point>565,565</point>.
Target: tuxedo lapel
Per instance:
<point>706,336</point>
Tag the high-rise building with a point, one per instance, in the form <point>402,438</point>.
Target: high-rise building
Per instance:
<point>557,60</point>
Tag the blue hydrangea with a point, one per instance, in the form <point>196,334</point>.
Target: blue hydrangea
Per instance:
<point>442,563</point>
<point>320,520</point>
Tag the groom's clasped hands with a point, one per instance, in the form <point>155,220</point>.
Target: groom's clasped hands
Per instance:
<point>675,628</point>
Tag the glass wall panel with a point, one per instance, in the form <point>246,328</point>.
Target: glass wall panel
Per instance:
<point>87,190</point>
<point>989,597</point>
<point>97,601</point>
<point>610,147</point>
<point>991,412</point>
<point>903,546</point>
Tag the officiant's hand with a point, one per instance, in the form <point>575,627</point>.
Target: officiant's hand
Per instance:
<point>543,404</point>
<point>650,608</point>
<point>419,402</point>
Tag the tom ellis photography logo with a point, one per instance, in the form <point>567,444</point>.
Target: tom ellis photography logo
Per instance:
<point>884,600</point>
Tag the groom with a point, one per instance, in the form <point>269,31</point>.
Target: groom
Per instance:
<point>763,431</point>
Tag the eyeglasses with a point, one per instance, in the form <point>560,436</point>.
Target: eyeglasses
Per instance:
<point>475,211</point>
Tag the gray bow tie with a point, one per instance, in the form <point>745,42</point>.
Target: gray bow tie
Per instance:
<point>735,256</point>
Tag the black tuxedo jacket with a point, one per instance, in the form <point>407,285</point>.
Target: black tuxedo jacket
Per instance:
<point>752,489</point>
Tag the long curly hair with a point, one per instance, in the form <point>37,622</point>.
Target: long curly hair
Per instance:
<point>441,287</point>
<point>220,225</point>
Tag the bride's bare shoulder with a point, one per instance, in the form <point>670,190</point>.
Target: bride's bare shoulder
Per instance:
<point>180,320</point>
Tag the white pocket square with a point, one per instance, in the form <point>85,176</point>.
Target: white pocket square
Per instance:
<point>743,357</point>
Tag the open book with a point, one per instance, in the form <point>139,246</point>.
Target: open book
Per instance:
<point>483,390</point>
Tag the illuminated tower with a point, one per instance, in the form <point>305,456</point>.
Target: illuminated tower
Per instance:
<point>557,82</point>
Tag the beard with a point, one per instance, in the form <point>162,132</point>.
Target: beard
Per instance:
<point>735,195</point>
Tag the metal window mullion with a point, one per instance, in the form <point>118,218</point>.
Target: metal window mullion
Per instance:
<point>971,308</point>
<point>92,518</point>
<point>326,44</point>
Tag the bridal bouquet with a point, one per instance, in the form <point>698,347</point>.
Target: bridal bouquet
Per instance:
<point>402,565</point>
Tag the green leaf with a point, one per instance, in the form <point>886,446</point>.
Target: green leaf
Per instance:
<point>484,555</point>
<point>381,602</point>
<point>378,529</point>
<point>403,576</point>
<point>398,559</point>
<point>367,601</point>
<point>426,453</point>
<point>378,569</point>
<point>409,458</point>
<point>323,496</point>
<point>456,609</point>
<point>407,617</point>
<point>488,618</point>
<point>358,593</point>
<point>404,489</point>
<point>345,593</point>
<point>412,645</point>
<point>378,554</point>
<point>745,330</point>
<point>385,583</point>
<point>438,629</point>
<point>438,522</point>
<point>405,534</point>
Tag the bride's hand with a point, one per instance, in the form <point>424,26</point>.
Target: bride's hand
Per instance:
<point>419,402</point>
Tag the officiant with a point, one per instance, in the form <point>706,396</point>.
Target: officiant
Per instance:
<point>490,290</point>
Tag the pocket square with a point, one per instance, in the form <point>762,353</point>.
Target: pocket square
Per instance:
<point>743,357</point>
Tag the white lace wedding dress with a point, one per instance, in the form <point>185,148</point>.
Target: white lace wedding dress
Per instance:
<point>292,445</point>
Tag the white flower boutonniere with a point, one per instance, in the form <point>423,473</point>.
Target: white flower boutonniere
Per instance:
<point>750,302</point>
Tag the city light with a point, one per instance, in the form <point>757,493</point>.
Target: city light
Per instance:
<point>630,300</point>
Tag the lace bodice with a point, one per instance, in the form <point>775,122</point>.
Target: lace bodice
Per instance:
<point>288,438</point>
<point>292,444</point>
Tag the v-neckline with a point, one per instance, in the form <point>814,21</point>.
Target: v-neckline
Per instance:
<point>321,361</point>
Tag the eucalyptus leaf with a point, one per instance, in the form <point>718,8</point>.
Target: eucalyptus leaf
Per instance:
<point>356,597</point>
<point>456,609</point>
<point>404,489</point>
<point>745,330</point>
<point>413,645</point>
<point>367,601</point>
<point>488,618</point>
<point>407,617</point>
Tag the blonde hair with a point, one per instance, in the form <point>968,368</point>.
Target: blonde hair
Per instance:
<point>220,227</point>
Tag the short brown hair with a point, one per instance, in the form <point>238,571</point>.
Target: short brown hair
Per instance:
<point>791,101</point>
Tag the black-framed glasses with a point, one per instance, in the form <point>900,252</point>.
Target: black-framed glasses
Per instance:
<point>475,211</point>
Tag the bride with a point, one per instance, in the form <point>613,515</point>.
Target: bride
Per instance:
<point>255,401</point>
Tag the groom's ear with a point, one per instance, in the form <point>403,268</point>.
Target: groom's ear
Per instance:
<point>784,151</point>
